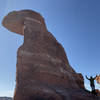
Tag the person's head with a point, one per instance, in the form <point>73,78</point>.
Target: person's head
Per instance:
<point>91,77</point>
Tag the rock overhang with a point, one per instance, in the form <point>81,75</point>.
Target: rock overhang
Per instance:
<point>15,20</point>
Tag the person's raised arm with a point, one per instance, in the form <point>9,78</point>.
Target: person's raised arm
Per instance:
<point>95,77</point>
<point>87,77</point>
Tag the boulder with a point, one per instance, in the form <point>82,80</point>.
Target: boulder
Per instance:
<point>43,70</point>
<point>14,21</point>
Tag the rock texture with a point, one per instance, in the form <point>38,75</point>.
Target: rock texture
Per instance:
<point>14,21</point>
<point>43,70</point>
<point>98,79</point>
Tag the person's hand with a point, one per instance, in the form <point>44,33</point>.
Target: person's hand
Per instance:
<point>96,75</point>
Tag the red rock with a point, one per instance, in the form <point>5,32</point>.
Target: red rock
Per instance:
<point>14,21</point>
<point>43,70</point>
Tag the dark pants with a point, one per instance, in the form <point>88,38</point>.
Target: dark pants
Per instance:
<point>93,87</point>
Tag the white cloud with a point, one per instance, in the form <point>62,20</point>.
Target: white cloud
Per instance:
<point>97,86</point>
<point>9,93</point>
<point>87,86</point>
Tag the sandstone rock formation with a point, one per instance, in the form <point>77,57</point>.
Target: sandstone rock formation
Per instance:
<point>98,79</point>
<point>43,70</point>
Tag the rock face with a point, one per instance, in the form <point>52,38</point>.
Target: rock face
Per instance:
<point>43,70</point>
<point>15,20</point>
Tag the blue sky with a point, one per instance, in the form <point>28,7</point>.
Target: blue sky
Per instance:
<point>74,23</point>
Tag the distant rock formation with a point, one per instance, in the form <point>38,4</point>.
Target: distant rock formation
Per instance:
<point>98,79</point>
<point>43,70</point>
<point>5,98</point>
